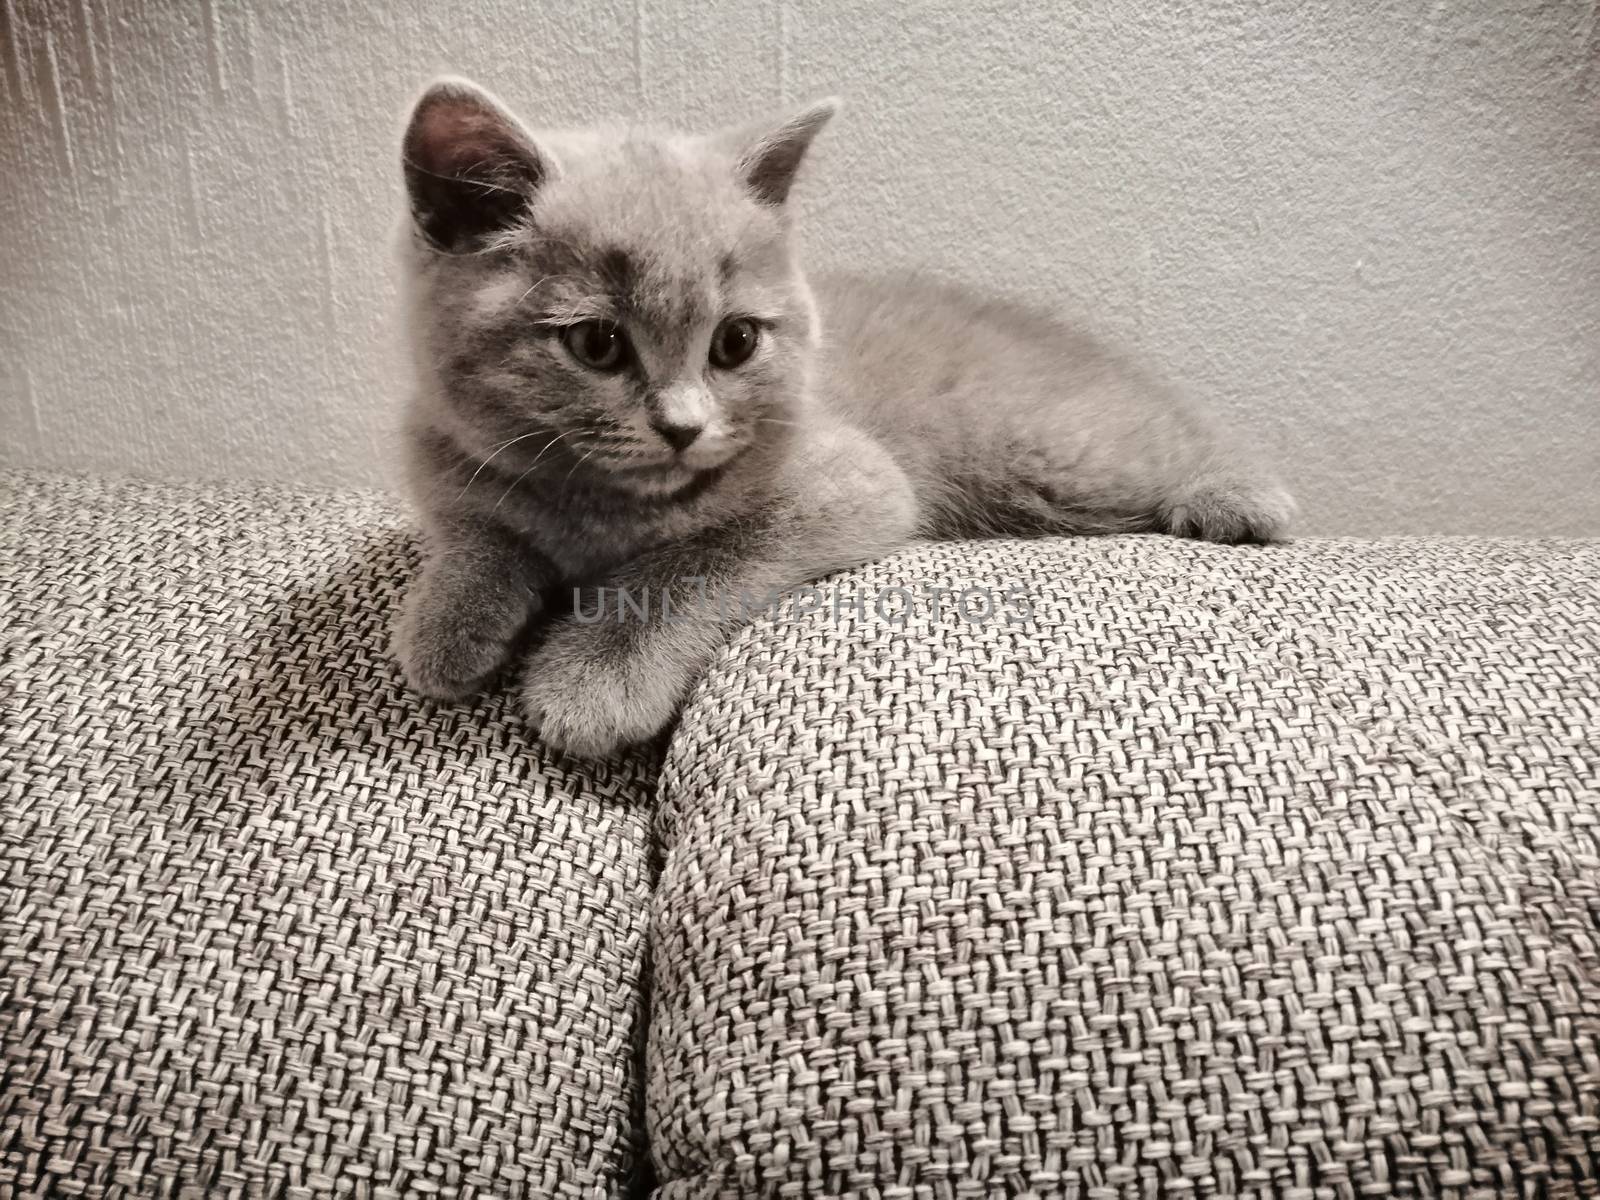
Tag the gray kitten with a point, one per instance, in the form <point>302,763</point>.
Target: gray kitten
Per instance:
<point>625,379</point>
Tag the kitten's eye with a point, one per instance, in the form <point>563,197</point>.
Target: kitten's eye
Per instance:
<point>734,342</point>
<point>598,345</point>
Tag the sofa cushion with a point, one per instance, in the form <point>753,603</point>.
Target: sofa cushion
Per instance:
<point>268,925</point>
<point>1258,871</point>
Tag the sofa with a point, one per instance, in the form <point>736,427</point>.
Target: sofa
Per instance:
<point>1261,871</point>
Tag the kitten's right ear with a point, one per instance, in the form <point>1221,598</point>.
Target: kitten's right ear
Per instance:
<point>470,167</point>
<point>769,157</point>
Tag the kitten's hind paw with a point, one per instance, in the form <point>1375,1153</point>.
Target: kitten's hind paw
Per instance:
<point>1230,512</point>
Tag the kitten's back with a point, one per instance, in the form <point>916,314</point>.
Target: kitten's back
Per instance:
<point>1006,420</point>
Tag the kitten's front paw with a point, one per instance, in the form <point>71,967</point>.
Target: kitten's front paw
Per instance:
<point>591,698</point>
<point>451,651</point>
<point>1228,511</point>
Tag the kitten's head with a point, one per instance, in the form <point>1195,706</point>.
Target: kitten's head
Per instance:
<point>630,302</point>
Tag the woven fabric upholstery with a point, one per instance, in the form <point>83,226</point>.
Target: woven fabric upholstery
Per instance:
<point>1265,872</point>
<point>269,927</point>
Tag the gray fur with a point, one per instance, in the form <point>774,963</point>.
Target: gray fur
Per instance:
<point>872,413</point>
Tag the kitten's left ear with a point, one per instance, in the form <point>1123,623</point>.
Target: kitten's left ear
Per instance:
<point>769,158</point>
<point>470,167</point>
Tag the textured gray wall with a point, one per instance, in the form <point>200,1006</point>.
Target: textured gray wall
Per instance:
<point>1372,230</point>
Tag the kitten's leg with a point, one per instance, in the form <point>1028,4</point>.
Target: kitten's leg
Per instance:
<point>1040,495</point>
<point>1227,503</point>
<point>478,590</point>
<point>596,685</point>
<point>1146,467</point>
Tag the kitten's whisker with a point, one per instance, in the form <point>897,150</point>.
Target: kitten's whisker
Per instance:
<point>565,483</point>
<point>531,286</point>
<point>495,454</point>
<point>543,279</point>
<point>546,449</point>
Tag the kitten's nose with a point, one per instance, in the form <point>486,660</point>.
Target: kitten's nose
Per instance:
<point>679,437</point>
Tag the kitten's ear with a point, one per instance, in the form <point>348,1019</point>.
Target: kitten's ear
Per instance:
<point>470,167</point>
<point>769,156</point>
